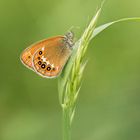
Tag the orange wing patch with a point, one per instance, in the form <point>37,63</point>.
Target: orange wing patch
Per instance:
<point>48,61</point>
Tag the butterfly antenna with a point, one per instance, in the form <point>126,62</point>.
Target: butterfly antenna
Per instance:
<point>73,27</point>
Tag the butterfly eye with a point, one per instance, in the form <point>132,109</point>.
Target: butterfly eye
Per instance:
<point>40,52</point>
<point>43,66</point>
<point>39,62</point>
<point>48,68</point>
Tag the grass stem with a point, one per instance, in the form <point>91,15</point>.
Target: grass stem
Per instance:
<point>66,124</point>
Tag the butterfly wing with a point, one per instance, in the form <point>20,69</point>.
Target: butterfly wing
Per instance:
<point>27,55</point>
<point>49,60</point>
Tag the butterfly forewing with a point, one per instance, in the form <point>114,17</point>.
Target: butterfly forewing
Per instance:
<point>49,60</point>
<point>27,55</point>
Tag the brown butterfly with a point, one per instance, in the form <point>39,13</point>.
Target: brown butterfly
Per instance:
<point>48,57</point>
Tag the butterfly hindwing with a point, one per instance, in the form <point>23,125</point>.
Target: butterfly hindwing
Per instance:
<point>49,60</point>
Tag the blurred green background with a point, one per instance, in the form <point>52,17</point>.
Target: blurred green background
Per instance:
<point>109,103</point>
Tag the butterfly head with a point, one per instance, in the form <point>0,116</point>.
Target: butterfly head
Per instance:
<point>70,35</point>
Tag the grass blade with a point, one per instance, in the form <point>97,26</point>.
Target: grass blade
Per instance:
<point>107,25</point>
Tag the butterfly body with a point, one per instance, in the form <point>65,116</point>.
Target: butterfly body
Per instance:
<point>48,57</point>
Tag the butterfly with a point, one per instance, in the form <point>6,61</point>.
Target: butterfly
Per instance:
<point>48,57</point>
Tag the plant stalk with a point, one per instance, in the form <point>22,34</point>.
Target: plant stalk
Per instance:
<point>66,124</point>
